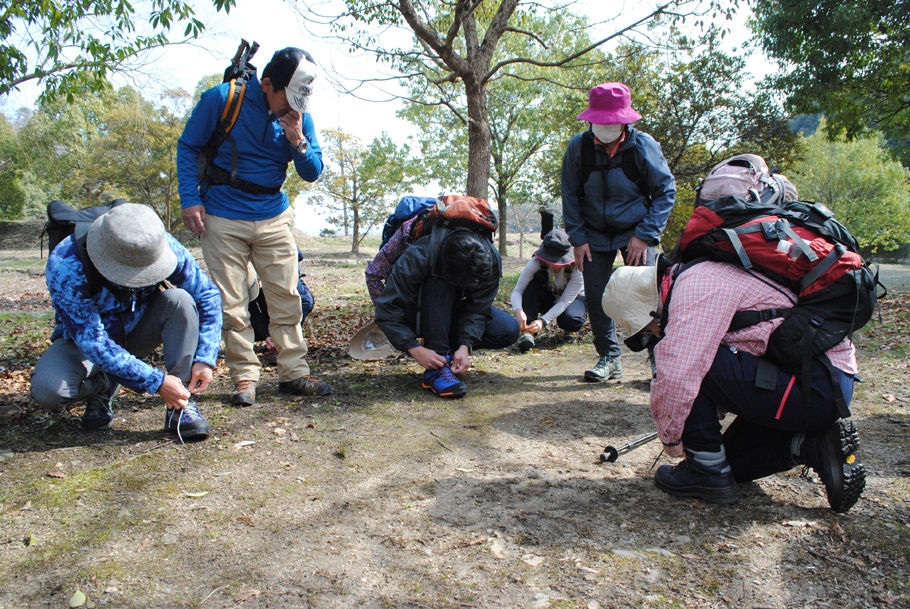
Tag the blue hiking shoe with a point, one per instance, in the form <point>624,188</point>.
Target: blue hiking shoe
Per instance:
<point>443,382</point>
<point>99,414</point>
<point>188,423</point>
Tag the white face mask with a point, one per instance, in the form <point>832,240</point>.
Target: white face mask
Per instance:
<point>607,133</point>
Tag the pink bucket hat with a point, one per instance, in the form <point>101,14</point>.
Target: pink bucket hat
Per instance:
<point>610,104</point>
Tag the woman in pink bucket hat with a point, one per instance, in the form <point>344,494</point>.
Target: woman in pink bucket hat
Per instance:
<point>617,192</point>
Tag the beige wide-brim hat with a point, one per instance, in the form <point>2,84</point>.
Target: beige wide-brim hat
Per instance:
<point>630,297</point>
<point>128,245</point>
<point>370,343</point>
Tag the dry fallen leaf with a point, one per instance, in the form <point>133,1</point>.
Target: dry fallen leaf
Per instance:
<point>54,474</point>
<point>77,599</point>
<point>196,493</point>
<point>243,444</point>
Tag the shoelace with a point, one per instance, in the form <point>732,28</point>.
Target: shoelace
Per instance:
<point>447,375</point>
<point>193,410</point>
<point>243,386</point>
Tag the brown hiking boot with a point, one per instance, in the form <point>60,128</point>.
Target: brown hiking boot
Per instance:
<point>305,385</point>
<point>244,393</point>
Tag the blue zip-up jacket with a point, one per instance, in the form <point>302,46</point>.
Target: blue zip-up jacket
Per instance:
<point>99,323</point>
<point>263,154</point>
<point>607,223</point>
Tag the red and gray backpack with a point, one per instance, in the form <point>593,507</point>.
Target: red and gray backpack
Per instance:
<point>799,245</point>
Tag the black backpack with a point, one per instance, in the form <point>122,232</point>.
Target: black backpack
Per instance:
<point>239,73</point>
<point>63,221</point>
<point>627,160</point>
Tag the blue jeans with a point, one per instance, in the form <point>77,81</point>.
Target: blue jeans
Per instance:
<point>441,305</point>
<point>758,441</point>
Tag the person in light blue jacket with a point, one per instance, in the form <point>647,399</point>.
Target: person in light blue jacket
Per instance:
<point>617,193</point>
<point>236,206</point>
<point>119,291</point>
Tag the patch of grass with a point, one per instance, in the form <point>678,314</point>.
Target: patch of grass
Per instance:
<point>24,337</point>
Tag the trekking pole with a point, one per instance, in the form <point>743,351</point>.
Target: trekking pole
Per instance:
<point>611,454</point>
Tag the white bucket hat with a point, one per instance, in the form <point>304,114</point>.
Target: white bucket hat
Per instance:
<point>128,246</point>
<point>630,297</point>
<point>370,343</point>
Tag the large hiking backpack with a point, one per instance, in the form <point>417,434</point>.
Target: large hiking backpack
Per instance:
<point>238,74</point>
<point>63,221</point>
<point>745,176</point>
<point>799,245</point>
<point>627,160</point>
<point>408,207</point>
<point>452,211</point>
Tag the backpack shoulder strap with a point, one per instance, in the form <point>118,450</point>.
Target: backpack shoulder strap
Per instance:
<point>631,167</point>
<point>587,161</point>
<point>92,276</point>
<point>628,160</point>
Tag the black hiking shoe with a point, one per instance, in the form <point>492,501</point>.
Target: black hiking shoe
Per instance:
<point>99,414</point>
<point>688,478</point>
<point>305,385</point>
<point>830,452</point>
<point>525,342</point>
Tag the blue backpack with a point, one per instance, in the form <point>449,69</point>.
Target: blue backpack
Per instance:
<point>407,208</point>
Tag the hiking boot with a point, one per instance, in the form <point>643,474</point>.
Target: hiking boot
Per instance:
<point>444,383</point>
<point>830,452</point>
<point>99,414</point>
<point>525,342</point>
<point>606,368</point>
<point>305,385</point>
<point>244,393</point>
<point>689,478</point>
<point>188,424</point>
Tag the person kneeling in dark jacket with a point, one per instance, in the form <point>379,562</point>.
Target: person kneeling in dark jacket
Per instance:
<point>442,289</point>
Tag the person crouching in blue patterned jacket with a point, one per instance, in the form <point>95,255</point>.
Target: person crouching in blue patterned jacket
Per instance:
<point>119,290</point>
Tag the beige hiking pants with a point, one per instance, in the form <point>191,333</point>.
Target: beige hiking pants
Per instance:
<point>228,246</point>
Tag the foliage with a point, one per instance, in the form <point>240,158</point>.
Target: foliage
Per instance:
<point>361,183</point>
<point>846,58</point>
<point>458,43</point>
<point>12,194</point>
<point>867,190</point>
<point>136,155</point>
<point>71,47</point>
<point>523,106</point>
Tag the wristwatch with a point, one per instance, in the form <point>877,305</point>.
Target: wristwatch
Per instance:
<point>301,146</point>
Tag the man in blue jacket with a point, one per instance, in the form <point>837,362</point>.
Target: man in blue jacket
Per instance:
<point>118,292</point>
<point>617,192</point>
<point>243,217</point>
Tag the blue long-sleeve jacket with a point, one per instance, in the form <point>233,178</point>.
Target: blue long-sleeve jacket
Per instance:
<point>263,154</point>
<point>608,222</point>
<point>99,323</point>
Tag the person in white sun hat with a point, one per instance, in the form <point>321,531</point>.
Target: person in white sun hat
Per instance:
<point>238,209</point>
<point>705,370</point>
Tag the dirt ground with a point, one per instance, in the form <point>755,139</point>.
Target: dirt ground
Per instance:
<point>382,495</point>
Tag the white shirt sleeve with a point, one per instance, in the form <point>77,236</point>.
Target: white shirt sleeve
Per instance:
<point>573,289</point>
<point>527,274</point>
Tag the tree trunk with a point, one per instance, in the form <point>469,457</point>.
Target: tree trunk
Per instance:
<point>355,242</point>
<point>478,141</point>
<point>503,204</point>
<point>521,244</point>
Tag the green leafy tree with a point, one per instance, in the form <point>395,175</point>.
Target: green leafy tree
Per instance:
<point>867,190</point>
<point>72,46</point>
<point>846,58</point>
<point>361,183</point>
<point>521,111</point>
<point>135,156</point>
<point>457,42</point>
<point>12,193</point>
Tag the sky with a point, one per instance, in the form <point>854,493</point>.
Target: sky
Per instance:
<point>274,25</point>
